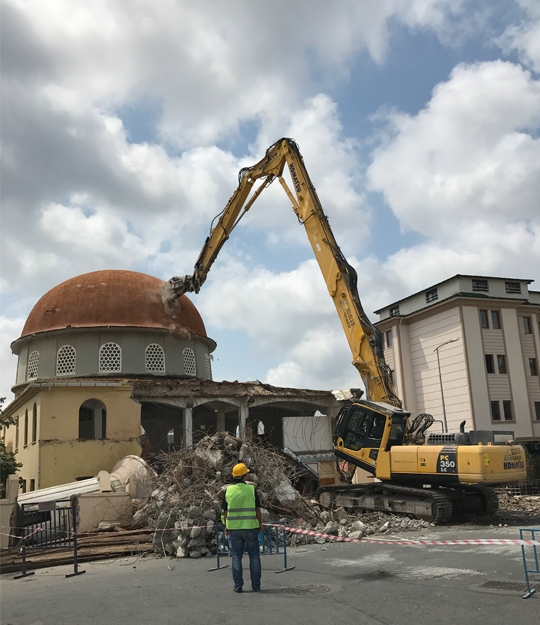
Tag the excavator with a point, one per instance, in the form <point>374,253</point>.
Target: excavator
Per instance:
<point>434,477</point>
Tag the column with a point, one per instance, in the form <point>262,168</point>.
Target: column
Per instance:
<point>243,414</point>
<point>188,426</point>
<point>221,421</point>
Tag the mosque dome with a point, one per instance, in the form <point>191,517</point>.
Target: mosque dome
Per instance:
<point>112,324</point>
<point>111,299</point>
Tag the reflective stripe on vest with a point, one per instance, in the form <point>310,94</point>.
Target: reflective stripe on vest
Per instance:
<point>241,513</point>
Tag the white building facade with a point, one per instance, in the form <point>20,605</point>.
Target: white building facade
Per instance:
<point>487,330</point>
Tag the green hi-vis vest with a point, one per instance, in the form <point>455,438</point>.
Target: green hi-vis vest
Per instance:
<point>241,514</point>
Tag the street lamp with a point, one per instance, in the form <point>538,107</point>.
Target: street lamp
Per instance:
<point>440,380</point>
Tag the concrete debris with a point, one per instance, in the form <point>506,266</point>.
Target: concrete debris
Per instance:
<point>186,503</point>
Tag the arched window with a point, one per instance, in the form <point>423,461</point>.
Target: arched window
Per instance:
<point>154,358</point>
<point>33,366</point>
<point>65,360</point>
<point>34,423</point>
<point>92,420</point>
<point>189,362</point>
<point>208,367</point>
<point>110,358</point>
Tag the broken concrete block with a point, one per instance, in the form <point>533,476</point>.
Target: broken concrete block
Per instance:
<point>196,543</point>
<point>212,457</point>
<point>340,516</point>
<point>196,553</point>
<point>356,535</point>
<point>342,532</point>
<point>196,531</point>
<point>210,514</point>
<point>357,526</point>
<point>106,527</point>
<point>325,516</point>
<point>320,541</point>
<point>182,552</point>
<point>331,528</point>
<point>384,527</point>
<point>194,512</point>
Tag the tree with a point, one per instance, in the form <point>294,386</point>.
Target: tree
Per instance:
<point>8,462</point>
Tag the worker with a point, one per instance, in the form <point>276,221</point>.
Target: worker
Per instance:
<point>243,522</point>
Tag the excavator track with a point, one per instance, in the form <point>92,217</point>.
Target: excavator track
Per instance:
<point>431,504</point>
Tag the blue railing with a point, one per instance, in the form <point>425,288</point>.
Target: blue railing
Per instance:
<point>527,534</point>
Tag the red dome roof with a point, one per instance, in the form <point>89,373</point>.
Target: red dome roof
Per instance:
<point>111,298</point>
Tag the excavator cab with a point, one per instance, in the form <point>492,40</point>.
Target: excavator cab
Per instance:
<point>366,428</point>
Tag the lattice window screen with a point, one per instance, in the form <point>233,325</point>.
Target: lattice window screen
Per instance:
<point>208,367</point>
<point>154,359</point>
<point>33,366</point>
<point>189,362</point>
<point>65,360</point>
<point>110,358</point>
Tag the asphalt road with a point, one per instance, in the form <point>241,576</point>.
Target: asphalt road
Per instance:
<point>332,584</point>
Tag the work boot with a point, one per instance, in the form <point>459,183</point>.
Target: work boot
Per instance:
<point>238,589</point>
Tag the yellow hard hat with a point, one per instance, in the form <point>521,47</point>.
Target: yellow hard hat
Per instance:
<point>239,470</point>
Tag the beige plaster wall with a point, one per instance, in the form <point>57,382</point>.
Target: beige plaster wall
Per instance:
<point>66,461</point>
<point>515,365</point>
<point>60,406</point>
<point>93,508</point>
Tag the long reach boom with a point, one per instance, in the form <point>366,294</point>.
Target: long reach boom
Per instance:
<point>365,340</point>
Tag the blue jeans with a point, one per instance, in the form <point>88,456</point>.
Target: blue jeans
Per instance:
<point>248,540</point>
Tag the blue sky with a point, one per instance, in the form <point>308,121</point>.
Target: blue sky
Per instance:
<point>123,131</point>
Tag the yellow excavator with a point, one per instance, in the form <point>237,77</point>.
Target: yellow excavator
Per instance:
<point>449,475</point>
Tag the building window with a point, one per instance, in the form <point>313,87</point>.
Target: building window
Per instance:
<point>495,411</point>
<point>431,296</point>
<point>26,428</point>
<point>480,286</point>
<point>527,328</point>
<point>110,358</point>
<point>394,311</point>
<point>501,364</point>
<point>23,486</point>
<point>189,362</point>
<point>92,420</point>
<point>32,485</point>
<point>490,366</point>
<point>512,287</point>
<point>484,319</point>
<point>208,367</point>
<point>537,410</point>
<point>33,366</point>
<point>389,338</point>
<point>532,366</point>
<point>17,434</point>
<point>34,423</point>
<point>495,320</point>
<point>507,409</point>
<point>154,359</point>
<point>65,360</point>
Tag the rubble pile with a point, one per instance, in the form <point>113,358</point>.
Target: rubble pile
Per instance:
<point>346,525</point>
<point>520,503</point>
<point>185,505</point>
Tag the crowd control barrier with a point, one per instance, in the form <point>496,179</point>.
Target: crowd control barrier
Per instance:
<point>534,536</point>
<point>48,525</point>
<point>272,541</point>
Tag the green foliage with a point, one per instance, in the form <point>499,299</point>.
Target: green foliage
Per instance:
<point>8,462</point>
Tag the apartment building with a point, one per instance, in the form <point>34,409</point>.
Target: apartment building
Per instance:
<point>472,345</point>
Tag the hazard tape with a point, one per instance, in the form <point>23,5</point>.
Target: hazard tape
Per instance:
<point>505,542</point>
<point>27,535</point>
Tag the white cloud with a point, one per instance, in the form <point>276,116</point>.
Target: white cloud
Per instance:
<point>524,38</point>
<point>10,329</point>
<point>465,172</point>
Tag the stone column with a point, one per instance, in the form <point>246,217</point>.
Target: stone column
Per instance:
<point>221,421</point>
<point>243,413</point>
<point>188,426</point>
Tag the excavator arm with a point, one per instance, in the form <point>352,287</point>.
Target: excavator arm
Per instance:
<point>365,340</point>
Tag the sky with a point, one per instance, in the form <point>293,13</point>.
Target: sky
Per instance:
<point>124,126</point>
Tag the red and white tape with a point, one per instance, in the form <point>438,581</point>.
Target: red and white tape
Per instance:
<point>505,542</point>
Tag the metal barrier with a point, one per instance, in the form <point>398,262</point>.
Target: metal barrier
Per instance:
<point>533,536</point>
<point>48,525</point>
<point>272,540</point>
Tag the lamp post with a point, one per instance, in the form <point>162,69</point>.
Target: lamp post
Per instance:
<point>440,380</point>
